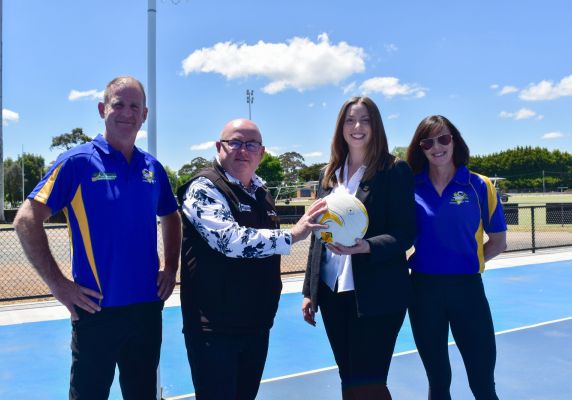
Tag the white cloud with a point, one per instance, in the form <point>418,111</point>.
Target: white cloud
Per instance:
<point>547,90</point>
<point>297,64</point>
<point>92,94</point>
<point>390,48</point>
<point>552,135</point>
<point>507,90</point>
<point>324,104</point>
<point>311,105</point>
<point>272,150</point>
<point>313,154</point>
<point>141,135</point>
<point>393,116</point>
<point>494,86</point>
<point>9,116</point>
<point>203,146</point>
<point>389,86</point>
<point>349,88</point>
<point>523,113</point>
<point>540,117</point>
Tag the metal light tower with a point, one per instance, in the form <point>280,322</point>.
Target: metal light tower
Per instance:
<point>1,133</point>
<point>152,77</point>
<point>23,178</point>
<point>249,100</point>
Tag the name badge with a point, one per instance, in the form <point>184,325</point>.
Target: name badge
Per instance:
<point>244,207</point>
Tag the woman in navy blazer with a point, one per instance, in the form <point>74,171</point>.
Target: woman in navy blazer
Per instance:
<point>363,291</point>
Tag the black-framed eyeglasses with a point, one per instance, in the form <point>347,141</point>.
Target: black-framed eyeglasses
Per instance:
<point>444,140</point>
<point>235,144</point>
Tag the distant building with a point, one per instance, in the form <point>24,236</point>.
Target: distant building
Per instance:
<point>307,190</point>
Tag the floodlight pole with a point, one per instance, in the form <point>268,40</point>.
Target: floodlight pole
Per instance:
<point>2,219</point>
<point>152,77</point>
<point>23,177</point>
<point>249,100</point>
<point>152,105</point>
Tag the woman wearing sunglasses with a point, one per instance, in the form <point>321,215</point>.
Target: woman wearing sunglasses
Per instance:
<point>363,290</point>
<point>454,206</point>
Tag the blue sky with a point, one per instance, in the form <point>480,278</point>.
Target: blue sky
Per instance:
<point>500,70</point>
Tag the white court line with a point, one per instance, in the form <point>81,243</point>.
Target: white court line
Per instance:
<point>53,310</point>
<point>554,321</point>
<point>403,353</point>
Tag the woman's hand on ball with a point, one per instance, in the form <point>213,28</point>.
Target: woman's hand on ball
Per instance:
<point>361,246</point>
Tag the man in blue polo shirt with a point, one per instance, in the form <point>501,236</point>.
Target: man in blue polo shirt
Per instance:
<point>111,193</point>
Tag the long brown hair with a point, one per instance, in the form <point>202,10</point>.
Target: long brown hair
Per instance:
<point>429,125</point>
<point>377,156</point>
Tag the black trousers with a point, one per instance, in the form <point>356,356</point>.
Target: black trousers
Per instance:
<point>226,366</point>
<point>458,301</point>
<point>362,346</point>
<point>129,337</point>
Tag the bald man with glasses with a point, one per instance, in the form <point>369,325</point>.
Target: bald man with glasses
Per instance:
<point>230,276</point>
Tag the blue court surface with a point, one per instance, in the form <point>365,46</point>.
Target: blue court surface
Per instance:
<point>532,312</point>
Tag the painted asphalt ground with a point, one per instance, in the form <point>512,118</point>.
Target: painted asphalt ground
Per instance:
<point>533,363</point>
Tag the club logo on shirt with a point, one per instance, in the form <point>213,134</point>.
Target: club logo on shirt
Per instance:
<point>459,197</point>
<point>148,176</point>
<point>244,207</point>
<point>103,176</point>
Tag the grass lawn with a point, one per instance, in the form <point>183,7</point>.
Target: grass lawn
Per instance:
<point>539,198</point>
<point>518,198</point>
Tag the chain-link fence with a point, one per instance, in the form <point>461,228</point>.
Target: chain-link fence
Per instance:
<point>18,280</point>
<point>529,228</point>
<point>538,227</point>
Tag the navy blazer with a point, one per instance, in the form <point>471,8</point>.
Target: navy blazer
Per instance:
<point>381,278</point>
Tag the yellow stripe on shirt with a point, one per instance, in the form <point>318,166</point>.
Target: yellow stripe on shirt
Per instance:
<point>70,236</point>
<point>491,194</point>
<point>44,194</point>
<point>480,247</point>
<point>79,211</point>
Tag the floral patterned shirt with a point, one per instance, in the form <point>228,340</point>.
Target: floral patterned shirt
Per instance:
<point>208,210</point>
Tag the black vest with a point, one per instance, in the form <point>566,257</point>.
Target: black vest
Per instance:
<point>224,294</point>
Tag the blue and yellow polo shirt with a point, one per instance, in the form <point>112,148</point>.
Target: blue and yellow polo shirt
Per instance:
<point>112,208</point>
<point>450,228</point>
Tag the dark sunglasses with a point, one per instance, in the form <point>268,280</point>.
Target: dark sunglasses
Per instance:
<point>444,140</point>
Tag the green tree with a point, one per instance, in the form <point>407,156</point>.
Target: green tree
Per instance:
<point>400,152</point>
<point>33,172</point>
<point>270,170</point>
<point>173,179</point>
<point>527,168</point>
<point>292,163</point>
<point>190,169</point>
<point>311,172</point>
<point>66,141</point>
<point>12,182</point>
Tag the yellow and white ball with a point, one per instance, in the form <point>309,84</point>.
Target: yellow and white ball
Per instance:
<point>346,218</point>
